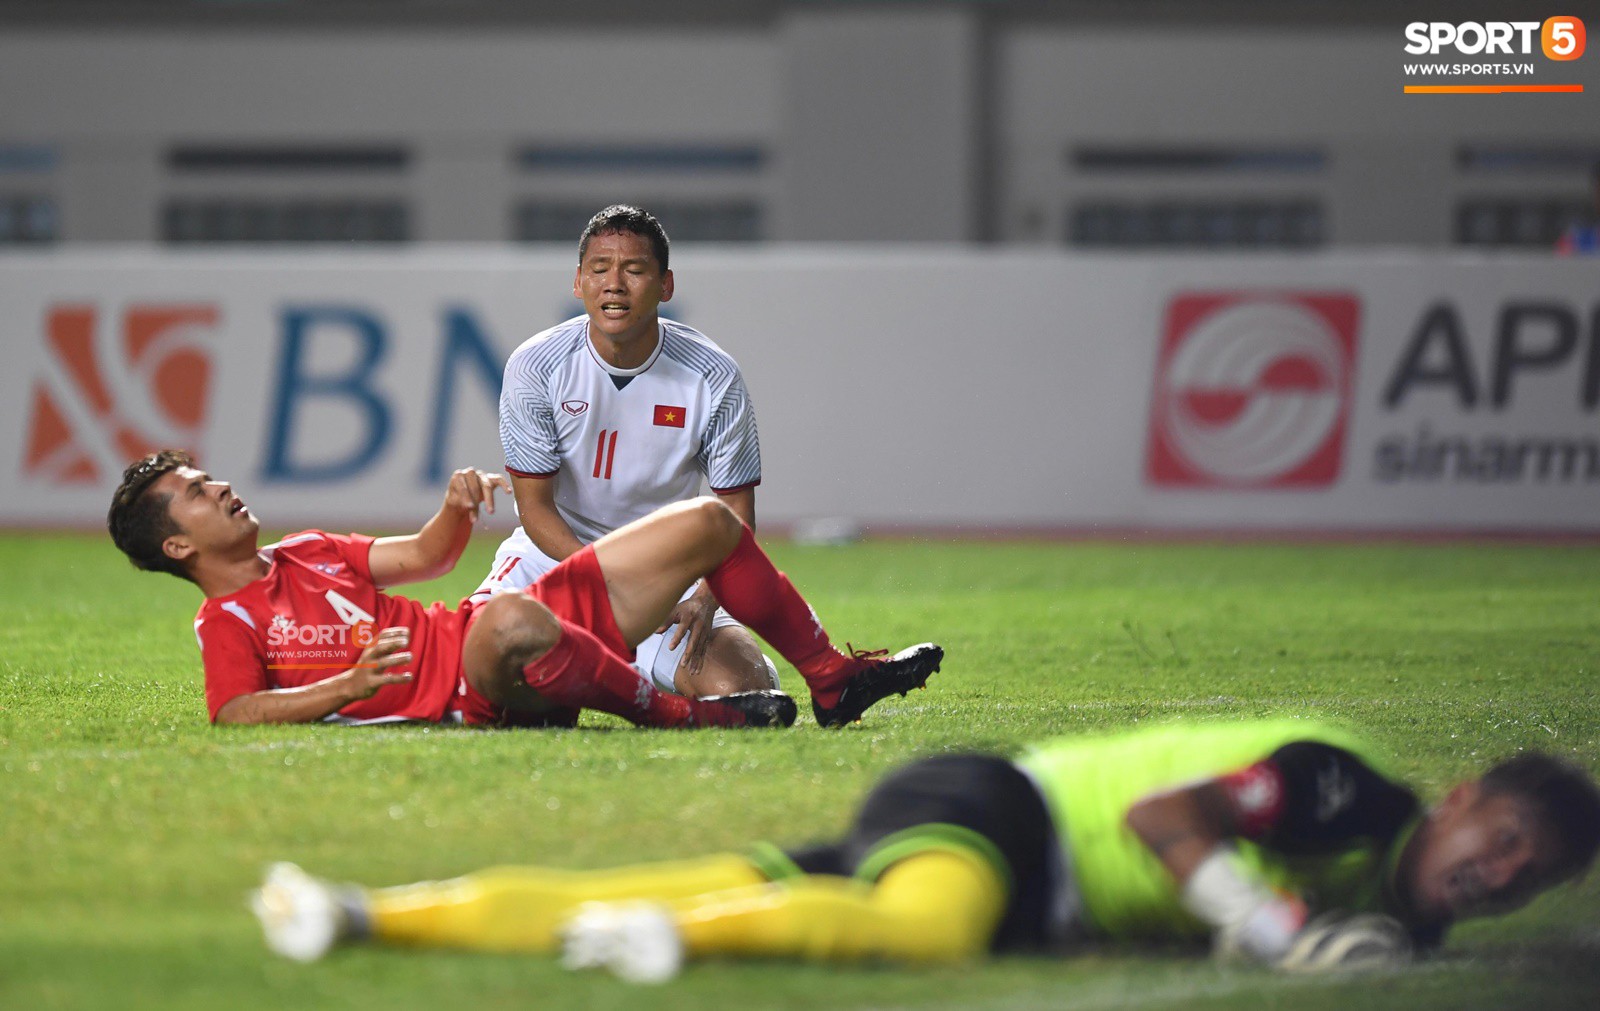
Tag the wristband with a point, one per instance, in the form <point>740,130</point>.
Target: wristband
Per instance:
<point>1249,916</point>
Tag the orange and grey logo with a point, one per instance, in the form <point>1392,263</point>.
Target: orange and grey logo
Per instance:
<point>107,395</point>
<point>1486,57</point>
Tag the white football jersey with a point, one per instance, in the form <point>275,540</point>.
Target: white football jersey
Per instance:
<point>621,443</point>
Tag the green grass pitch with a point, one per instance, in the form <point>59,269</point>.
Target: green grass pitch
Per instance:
<point>130,829</point>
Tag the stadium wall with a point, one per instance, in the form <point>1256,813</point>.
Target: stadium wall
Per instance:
<point>898,386</point>
<point>873,122</point>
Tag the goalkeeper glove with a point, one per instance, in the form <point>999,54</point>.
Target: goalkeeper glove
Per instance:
<point>1335,942</point>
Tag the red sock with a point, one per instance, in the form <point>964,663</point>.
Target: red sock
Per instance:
<point>751,589</point>
<point>580,671</point>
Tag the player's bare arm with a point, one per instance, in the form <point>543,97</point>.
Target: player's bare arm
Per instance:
<point>536,507</point>
<point>1190,830</point>
<point>1182,827</point>
<point>743,504</point>
<point>434,550</point>
<point>313,702</point>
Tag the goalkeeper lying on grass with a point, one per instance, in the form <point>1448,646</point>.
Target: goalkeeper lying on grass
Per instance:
<point>1279,840</point>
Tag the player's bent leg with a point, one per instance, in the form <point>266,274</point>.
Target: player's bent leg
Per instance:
<point>957,900</point>
<point>935,907</point>
<point>508,633</point>
<point>528,661</point>
<point>752,590</point>
<point>649,563</point>
<point>733,663</point>
<point>521,908</point>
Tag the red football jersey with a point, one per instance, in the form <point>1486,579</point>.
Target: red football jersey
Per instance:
<point>310,617</point>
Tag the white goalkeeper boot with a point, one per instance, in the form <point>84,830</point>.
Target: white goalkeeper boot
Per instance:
<point>638,942</point>
<point>301,916</point>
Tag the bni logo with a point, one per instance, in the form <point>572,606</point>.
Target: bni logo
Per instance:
<point>107,396</point>
<point>1252,390</point>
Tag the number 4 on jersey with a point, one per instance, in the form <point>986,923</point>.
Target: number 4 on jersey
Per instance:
<point>348,612</point>
<point>362,625</point>
<point>605,453</point>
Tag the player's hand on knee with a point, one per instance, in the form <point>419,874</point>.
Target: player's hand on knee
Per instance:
<point>374,668</point>
<point>693,620</point>
<point>471,488</point>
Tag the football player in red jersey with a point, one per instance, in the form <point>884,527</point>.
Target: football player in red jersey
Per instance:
<point>300,630</point>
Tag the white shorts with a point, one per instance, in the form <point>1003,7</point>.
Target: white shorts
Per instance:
<point>517,564</point>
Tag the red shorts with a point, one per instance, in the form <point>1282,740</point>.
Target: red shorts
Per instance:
<point>574,591</point>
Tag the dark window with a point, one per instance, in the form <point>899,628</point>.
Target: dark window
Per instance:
<point>1517,221</point>
<point>28,158</point>
<point>1526,158</point>
<point>641,158</point>
<point>684,220</point>
<point>28,219</point>
<point>232,220</point>
<point>273,158</point>
<point>1139,158</point>
<point>1220,224</point>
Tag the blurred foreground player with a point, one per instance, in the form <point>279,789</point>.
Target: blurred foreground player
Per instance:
<point>612,414</point>
<point>1278,840</point>
<point>300,631</point>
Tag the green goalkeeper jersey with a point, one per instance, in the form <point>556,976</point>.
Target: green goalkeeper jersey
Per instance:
<point>1318,818</point>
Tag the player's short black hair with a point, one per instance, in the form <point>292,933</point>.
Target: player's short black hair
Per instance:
<point>1565,797</point>
<point>631,219</point>
<point>140,522</point>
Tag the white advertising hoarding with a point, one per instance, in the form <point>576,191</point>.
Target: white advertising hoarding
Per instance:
<point>905,388</point>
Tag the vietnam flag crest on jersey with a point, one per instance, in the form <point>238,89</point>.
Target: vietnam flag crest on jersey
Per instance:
<point>669,416</point>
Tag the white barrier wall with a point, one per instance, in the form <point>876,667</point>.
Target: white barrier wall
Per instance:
<point>901,387</point>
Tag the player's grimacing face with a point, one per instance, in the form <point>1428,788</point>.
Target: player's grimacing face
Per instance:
<point>205,508</point>
<point>1481,855</point>
<point>622,285</point>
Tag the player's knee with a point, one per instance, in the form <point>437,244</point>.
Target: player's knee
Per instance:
<point>510,631</point>
<point>950,903</point>
<point>516,629</point>
<point>720,682</point>
<point>757,675</point>
<point>733,663</point>
<point>720,523</point>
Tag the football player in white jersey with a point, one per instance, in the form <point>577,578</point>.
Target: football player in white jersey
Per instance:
<point>610,415</point>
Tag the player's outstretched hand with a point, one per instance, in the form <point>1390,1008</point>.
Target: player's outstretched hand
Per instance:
<point>470,488</point>
<point>1342,942</point>
<point>387,652</point>
<point>693,618</point>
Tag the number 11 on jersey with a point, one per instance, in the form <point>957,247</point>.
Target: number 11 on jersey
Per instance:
<point>605,453</point>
